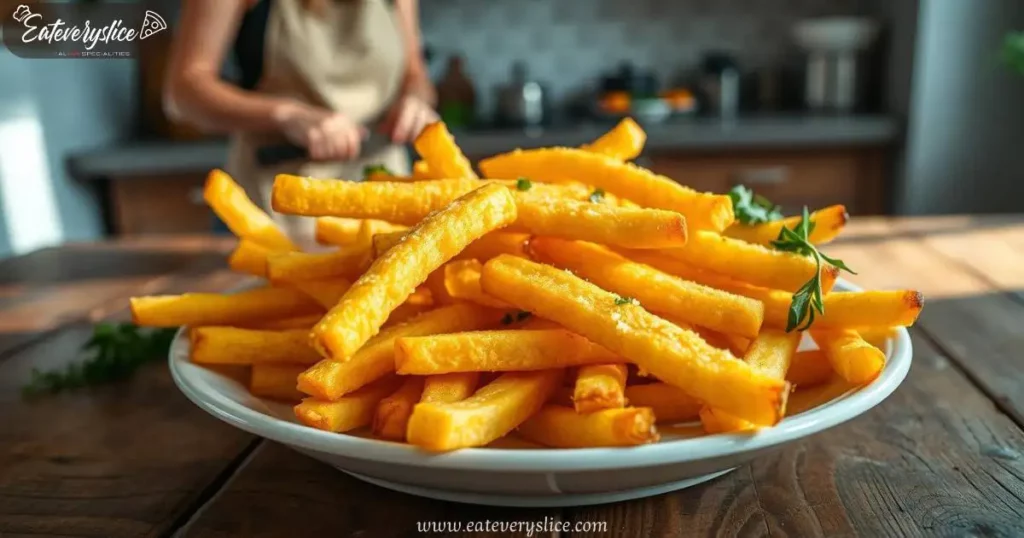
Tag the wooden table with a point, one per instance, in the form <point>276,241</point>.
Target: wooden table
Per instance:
<point>942,456</point>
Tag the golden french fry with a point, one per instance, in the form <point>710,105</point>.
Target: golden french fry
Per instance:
<point>437,146</point>
<point>276,381</point>
<point>669,403</point>
<point>490,413</point>
<point>284,324</point>
<point>599,386</point>
<point>229,201</point>
<point>327,292</point>
<point>665,294</point>
<point>771,354</point>
<point>438,291</point>
<point>392,416</point>
<point>807,399</point>
<point>199,309</point>
<point>496,351</point>
<point>562,427</point>
<point>453,387</point>
<point>228,345</point>
<point>345,263</point>
<point>483,249</point>
<point>249,257</point>
<point>395,202</point>
<point>673,354</point>
<point>753,264</point>
<point>404,312</point>
<point>421,171</point>
<point>391,278</point>
<point>369,228</point>
<point>624,142</point>
<point>329,379</point>
<point>877,336</point>
<point>703,211</point>
<point>851,357</point>
<point>809,368</point>
<point>352,411</point>
<point>462,281</point>
<point>610,225</point>
<point>337,230</point>
<point>828,222</point>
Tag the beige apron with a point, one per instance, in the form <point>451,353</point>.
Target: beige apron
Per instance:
<point>349,59</point>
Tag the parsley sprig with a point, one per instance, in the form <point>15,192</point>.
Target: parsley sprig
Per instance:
<point>523,184</point>
<point>623,300</point>
<point>597,196</point>
<point>116,352</point>
<point>808,301</point>
<point>751,208</point>
<point>372,169</point>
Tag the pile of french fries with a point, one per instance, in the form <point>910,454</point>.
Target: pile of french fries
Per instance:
<point>569,298</point>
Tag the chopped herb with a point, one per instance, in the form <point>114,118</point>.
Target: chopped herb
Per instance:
<point>507,319</point>
<point>807,301</point>
<point>620,300</point>
<point>523,184</point>
<point>116,352</point>
<point>752,208</point>
<point>523,314</point>
<point>374,169</point>
<point>597,196</point>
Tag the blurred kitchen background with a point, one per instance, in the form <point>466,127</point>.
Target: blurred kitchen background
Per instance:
<point>887,106</point>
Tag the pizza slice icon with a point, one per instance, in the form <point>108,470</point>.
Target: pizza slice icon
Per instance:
<point>151,24</point>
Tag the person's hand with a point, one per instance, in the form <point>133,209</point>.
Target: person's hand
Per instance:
<point>327,135</point>
<point>407,117</point>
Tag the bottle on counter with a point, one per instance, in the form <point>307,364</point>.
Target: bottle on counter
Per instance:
<point>456,96</point>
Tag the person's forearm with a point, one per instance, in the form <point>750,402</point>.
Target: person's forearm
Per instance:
<point>416,79</point>
<point>216,106</point>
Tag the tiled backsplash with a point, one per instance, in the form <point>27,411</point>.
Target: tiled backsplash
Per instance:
<point>568,44</point>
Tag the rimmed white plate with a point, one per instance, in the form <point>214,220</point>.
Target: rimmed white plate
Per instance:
<point>529,476</point>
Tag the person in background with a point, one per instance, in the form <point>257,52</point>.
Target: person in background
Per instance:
<point>321,74</point>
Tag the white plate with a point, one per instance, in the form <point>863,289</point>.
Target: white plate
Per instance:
<point>528,476</point>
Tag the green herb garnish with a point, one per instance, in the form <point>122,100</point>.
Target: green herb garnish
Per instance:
<point>620,300</point>
<point>117,350</point>
<point>808,300</point>
<point>752,208</point>
<point>597,196</point>
<point>523,184</point>
<point>372,169</point>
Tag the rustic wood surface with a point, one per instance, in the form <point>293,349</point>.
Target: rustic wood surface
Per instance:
<point>943,456</point>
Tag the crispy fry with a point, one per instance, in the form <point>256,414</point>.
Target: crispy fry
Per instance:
<point>405,312</point>
<point>229,201</point>
<point>348,413</point>
<point>702,211</point>
<point>809,368</point>
<point>771,354</point>
<point>284,324</point>
<point>447,388</point>
<point>199,309</point>
<point>337,230</point>
<point>658,292</point>
<point>437,146</point>
<point>228,345</point>
<point>599,386</point>
<point>462,280</point>
<point>249,257</point>
<point>805,400</point>
<point>670,404</point>
<point>624,142</point>
<point>496,351</point>
<point>327,291</point>
<point>392,416</point>
<point>346,262</point>
<point>562,427</point>
<point>877,336</point>
<point>483,249</point>
<point>492,412</point>
<point>750,263</point>
<point>395,202</point>
<point>421,171</point>
<point>393,276</point>
<point>329,379</point>
<point>606,224</point>
<point>368,228</point>
<point>276,381</point>
<point>828,222</point>
<point>673,354</point>
<point>438,292</point>
<point>851,357</point>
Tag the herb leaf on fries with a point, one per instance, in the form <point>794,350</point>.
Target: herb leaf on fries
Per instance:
<point>809,299</point>
<point>751,208</point>
<point>523,184</point>
<point>374,169</point>
<point>597,196</point>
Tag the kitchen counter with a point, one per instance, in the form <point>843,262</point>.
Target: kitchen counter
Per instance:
<point>149,158</point>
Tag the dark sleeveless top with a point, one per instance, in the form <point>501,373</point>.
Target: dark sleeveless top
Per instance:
<point>249,44</point>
